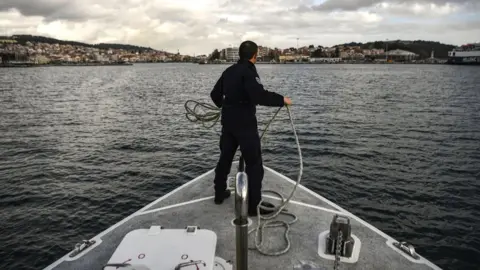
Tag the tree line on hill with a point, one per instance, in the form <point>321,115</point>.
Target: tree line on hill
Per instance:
<point>420,47</point>
<point>23,39</point>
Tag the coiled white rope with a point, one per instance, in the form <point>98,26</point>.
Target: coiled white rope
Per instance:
<point>195,115</point>
<point>269,222</point>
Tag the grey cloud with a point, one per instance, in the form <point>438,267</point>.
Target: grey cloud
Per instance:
<point>348,5</point>
<point>312,24</point>
<point>34,8</point>
<point>345,4</point>
<point>303,28</point>
<point>466,26</point>
<point>313,28</point>
<point>170,14</point>
<point>198,31</point>
<point>227,4</point>
<point>265,5</point>
<point>50,10</point>
<point>268,25</point>
<point>449,33</point>
<point>194,44</point>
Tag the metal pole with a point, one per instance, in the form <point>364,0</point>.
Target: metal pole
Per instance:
<point>241,246</point>
<point>241,220</point>
<point>241,165</point>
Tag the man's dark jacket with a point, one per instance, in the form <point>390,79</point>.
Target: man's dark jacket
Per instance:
<point>237,92</point>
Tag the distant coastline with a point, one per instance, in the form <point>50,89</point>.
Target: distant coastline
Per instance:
<point>18,49</point>
<point>421,62</point>
<point>30,65</point>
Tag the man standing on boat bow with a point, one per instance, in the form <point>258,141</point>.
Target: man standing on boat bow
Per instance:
<point>237,92</point>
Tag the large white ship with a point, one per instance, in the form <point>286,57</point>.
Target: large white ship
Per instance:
<point>468,54</point>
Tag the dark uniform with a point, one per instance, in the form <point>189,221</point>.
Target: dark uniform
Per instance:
<point>237,92</point>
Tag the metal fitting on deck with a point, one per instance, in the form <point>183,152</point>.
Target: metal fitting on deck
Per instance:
<point>241,220</point>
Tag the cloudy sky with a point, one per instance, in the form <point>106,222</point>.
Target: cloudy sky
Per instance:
<point>199,26</point>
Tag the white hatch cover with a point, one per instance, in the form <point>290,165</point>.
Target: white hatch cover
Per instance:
<point>166,249</point>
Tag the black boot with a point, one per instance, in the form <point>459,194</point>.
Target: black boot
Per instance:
<point>220,196</point>
<point>252,212</point>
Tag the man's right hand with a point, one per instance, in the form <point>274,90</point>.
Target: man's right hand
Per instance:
<point>287,101</point>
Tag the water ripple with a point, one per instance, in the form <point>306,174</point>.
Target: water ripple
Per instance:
<point>81,148</point>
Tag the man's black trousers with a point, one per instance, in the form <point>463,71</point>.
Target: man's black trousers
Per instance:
<point>249,143</point>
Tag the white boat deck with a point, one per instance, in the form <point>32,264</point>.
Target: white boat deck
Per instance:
<point>192,205</point>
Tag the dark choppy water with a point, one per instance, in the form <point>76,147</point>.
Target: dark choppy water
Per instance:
<point>82,147</point>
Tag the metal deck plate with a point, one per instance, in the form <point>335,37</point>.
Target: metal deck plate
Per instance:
<point>192,205</point>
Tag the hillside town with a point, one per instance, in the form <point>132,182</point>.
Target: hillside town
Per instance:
<point>320,54</point>
<point>45,53</point>
<point>38,53</point>
<point>303,54</point>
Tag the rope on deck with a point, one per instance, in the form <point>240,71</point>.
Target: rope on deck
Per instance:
<point>212,114</point>
<point>269,220</point>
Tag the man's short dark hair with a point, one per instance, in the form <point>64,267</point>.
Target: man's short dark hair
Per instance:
<point>247,50</point>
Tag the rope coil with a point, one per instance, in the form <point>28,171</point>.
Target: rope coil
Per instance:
<point>269,222</point>
<point>195,114</point>
<point>213,116</point>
